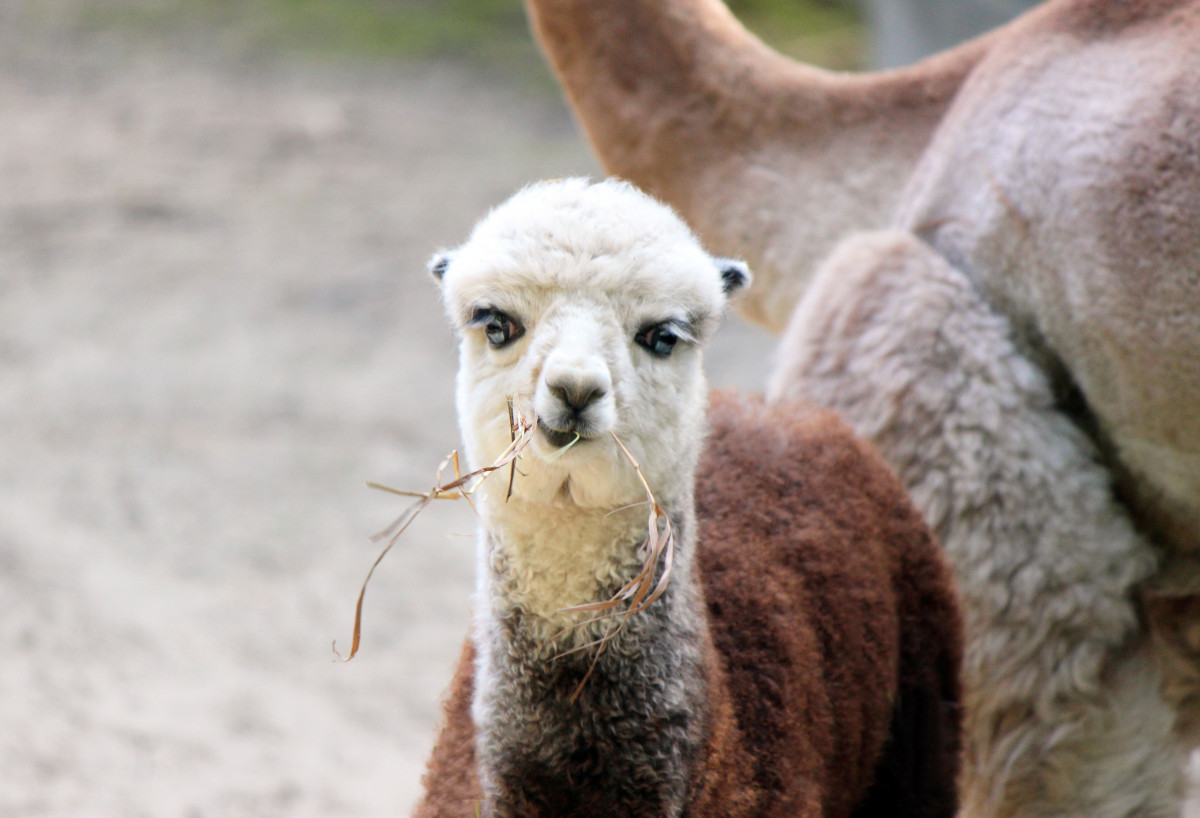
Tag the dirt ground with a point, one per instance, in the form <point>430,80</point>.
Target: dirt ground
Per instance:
<point>215,327</point>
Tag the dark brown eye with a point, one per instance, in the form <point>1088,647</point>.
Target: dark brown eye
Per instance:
<point>659,339</point>
<point>500,328</point>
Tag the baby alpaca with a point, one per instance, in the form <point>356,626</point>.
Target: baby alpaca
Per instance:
<point>803,658</point>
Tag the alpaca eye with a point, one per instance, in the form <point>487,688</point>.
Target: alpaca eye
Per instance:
<point>659,339</point>
<point>499,328</point>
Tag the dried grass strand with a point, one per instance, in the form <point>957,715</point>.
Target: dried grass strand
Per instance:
<point>512,432</point>
<point>462,486</point>
<point>659,545</point>
<point>637,595</point>
<point>640,592</point>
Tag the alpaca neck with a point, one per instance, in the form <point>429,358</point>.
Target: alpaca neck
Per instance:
<point>543,558</point>
<point>612,731</point>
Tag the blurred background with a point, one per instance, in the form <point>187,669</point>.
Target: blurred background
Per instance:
<point>215,328</point>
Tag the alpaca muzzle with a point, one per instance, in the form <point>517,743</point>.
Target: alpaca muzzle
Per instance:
<point>575,405</point>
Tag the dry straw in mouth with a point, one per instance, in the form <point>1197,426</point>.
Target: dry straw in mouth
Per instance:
<point>640,592</point>
<point>462,486</point>
<point>636,595</point>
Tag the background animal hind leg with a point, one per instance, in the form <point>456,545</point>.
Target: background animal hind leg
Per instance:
<point>1064,711</point>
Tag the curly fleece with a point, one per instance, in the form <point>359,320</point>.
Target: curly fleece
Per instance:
<point>833,645</point>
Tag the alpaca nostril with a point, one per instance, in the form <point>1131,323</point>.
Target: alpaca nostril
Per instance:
<point>578,397</point>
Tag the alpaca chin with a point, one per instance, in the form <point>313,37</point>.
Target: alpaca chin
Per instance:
<point>592,475</point>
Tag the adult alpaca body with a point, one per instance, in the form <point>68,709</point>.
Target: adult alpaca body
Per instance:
<point>996,256</point>
<point>803,657</point>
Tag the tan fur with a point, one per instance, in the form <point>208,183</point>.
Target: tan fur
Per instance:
<point>680,99</point>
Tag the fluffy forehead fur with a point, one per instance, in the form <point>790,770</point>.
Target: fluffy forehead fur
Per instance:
<point>583,269</point>
<point>606,239</point>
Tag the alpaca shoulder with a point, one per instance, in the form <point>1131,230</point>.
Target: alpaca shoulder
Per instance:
<point>828,604</point>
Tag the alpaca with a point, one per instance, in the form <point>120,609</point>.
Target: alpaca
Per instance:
<point>996,257</point>
<point>803,658</point>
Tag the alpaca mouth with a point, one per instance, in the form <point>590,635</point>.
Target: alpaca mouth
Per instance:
<point>559,438</point>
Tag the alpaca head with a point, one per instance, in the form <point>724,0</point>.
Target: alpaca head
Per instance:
<point>587,303</point>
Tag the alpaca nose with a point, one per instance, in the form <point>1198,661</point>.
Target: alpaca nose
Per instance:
<point>576,399</point>
<point>577,395</point>
<point>575,389</point>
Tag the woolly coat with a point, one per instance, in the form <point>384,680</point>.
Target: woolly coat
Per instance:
<point>835,636</point>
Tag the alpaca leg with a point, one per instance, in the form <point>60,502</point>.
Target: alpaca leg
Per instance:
<point>1064,710</point>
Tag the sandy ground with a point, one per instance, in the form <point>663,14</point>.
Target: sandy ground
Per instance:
<point>215,327</point>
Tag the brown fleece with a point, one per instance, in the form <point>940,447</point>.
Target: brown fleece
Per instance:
<point>835,633</point>
<point>451,779</point>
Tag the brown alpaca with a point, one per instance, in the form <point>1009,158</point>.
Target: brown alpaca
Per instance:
<point>998,250</point>
<point>800,658</point>
<point>834,634</point>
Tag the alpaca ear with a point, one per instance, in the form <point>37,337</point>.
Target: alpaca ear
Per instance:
<point>735,275</point>
<point>438,264</point>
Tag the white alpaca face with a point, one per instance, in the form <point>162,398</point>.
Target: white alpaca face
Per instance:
<point>587,303</point>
